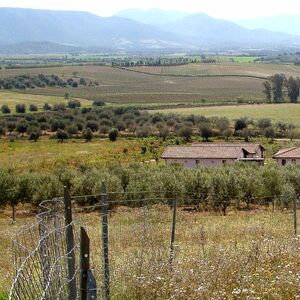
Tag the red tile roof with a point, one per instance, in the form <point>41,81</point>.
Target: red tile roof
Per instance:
<point>192,152</point>
<point>293,152</point>
<point>250,147</point>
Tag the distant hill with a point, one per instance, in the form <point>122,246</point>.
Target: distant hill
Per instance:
<point>46,31</point>
<point>152,16</point>
<point>39,48</point>
<point>212,31</point>
<point>288,24</point>
<point>80,29</point>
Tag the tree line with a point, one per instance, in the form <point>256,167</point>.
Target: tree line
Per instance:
<point>23,82</point>
<point>278,87</point>
<point>239,185</point>
<point>90,122</point>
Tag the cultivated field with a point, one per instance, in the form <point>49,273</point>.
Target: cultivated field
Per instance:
<point>125,86</point>
<point>245,255</point>
<point>13,98</point>
<point>276,112</point>
<point>222,69</point>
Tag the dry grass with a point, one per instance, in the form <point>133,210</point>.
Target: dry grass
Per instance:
<point>245,255</point>
<point>242,255</point>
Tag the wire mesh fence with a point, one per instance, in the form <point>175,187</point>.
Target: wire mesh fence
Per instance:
<point>139,246</point>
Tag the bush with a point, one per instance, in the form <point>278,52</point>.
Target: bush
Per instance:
<point>5,109</point>
<point>113,134</point>
<point>87,134</point>
<point>21,108</point>
<point>47,107</point>
<point>34,135</point>
<point>92,125</point>
<point>98,103</point>
<point>33,107</point>
<point>185,132</point>
<point>62,135</point>
<point>74,104</point>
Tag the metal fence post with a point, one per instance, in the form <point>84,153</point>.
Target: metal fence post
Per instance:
<point>70,245</point>
<point>295,215</point>
<point>104,209</point>
<point>173,232</point>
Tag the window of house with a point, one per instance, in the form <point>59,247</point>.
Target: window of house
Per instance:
<point>224,161</point>
<point>283,162</point>
<point>197,162</point>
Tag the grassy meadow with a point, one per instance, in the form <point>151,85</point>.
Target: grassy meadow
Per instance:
<point>244,255</point>
<point>13,98</point>
<point>48,153</point>
<point>286,112</point>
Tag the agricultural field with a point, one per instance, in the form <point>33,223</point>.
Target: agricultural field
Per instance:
<point>13,98</point>
<point>244,255</point>
<point>121,86</point>
<point>48,153</point>
<point>222,69</point>
<point>285,112</point>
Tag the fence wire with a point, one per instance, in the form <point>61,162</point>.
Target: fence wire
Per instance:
<point>142,261</point>
<point>41,256</point>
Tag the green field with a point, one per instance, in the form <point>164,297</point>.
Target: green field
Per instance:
<point>48,153</point>
<point>13,98</point>
<point>287,112</point>
<point>194,83</point>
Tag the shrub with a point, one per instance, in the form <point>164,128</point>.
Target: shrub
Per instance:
<point>33,107</point>
<point>185,132</point>
<point>62,135</point>
<point>98,103</point>
<point>47,107</point>
<point>5,109</point>
<point>113,134</point>
<point>87,134</point>
<point>21,108</point>
<point>74,104</point>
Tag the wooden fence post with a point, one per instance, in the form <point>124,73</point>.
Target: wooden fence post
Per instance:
<point>70,245</point>
<point>104,210</point>
<point>173,232</point>
<point>84,263</point>
<point>295,215</point>
<point>44,255</point>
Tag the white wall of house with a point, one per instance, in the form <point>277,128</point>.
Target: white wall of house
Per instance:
<point>193,163</point>
<point>286,161</point>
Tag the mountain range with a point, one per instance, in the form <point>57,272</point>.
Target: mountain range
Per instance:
<point>287,24</point>
<point>131,30</point>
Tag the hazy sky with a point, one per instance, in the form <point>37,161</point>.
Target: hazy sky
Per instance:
<point>227,9</point>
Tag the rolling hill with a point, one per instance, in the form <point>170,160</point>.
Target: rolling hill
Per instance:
<point>287,24</point>
<point>217,32</point>
<point>152,16</point>
<point>80,29</point>
<point>69,31</point>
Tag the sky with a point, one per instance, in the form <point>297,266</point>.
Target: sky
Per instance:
<point>226,9</point>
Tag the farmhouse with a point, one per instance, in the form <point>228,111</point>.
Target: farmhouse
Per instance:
<point>289,155</point>
<point>213,154</point>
